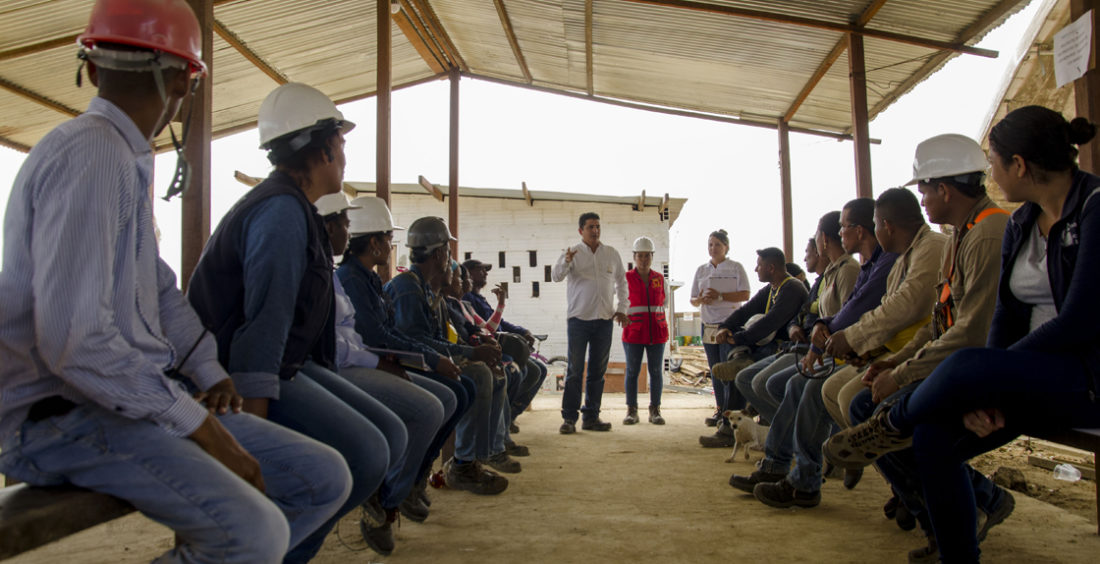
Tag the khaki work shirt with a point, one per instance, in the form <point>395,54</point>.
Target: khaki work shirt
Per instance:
<point>910,293</point>
<point>837,283</point>
<point>974,289</point>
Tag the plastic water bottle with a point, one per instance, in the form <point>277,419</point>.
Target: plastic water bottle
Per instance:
<point>1067,472</point>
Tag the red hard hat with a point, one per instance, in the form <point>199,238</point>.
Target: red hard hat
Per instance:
<point>169,26</point>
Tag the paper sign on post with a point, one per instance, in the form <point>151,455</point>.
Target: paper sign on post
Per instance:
<point>1072,47</point>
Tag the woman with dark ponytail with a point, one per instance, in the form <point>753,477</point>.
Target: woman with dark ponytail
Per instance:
<point>1039,373</point>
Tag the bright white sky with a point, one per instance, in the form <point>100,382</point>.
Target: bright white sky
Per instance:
<point>729,174</point>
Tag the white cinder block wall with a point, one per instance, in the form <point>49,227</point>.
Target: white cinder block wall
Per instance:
<point>490,226</point>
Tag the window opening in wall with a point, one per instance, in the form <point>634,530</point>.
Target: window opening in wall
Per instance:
<point>630,266</point>
<point>515,274</point>
<point>534,289</point>
<point>500,258</point>
<point>533,257</point>
<point>664,269</point>
<point>469,256</point>
<point>546,277</point>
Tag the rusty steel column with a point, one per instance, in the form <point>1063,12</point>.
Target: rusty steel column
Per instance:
<point>1086,90</point>
<point>785,189</point>
<point>382,137</point>
<point>452,189</point>
<point>857,80</point>
<point>195,212</point>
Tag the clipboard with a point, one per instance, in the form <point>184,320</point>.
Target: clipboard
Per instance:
<point>407,359</point>
<point>710,331</point>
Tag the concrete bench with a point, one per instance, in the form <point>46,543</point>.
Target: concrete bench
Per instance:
<point>1084,439</point>
<point>32,517</point>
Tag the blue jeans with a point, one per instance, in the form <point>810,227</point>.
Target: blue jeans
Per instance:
<point>726,395</point>
<point>217,516</point>
<point>461,397</point>
<point>900,468</point>
<point>477,431</point>
<point>655,355</point>
<point>752,380</point>
<point>533,376</point>
<point>779,448</point>
<point>1035,391</point>
<point>332,411</point>
<point>593,336</point>
<point>420,413</point>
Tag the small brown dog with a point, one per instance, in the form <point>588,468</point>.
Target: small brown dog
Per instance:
<point>747,433</point>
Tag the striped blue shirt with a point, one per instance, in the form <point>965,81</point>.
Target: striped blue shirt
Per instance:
<point>90,312</point>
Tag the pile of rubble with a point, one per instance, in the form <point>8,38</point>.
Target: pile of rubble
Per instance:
<point>688,367</point>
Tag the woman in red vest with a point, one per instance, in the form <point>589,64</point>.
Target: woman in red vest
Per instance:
<point>646,332</point>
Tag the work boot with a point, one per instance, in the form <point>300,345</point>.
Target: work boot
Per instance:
<point>421,489</point>
<point>516,450</point>
<point>655,415</point>
<point>986,522</point>
<point>727,371</point>
<point>631,415</point>
<point>379,536</point>
<point>470,476</point>
<point>513,428</point>
<point>860,445</point>
<point>906,521</point>
<point>595,425</point>
<point>722,437</point>
<point>568,427</point>
<point>501,462</point>
<point>748,483</point>
<point>413,508</point>
<point>890,509</point>
<point>926,554</point>
<point>374,510</point>
<point>782,494</point>
<point>852,477</point>
<point>712,421</point>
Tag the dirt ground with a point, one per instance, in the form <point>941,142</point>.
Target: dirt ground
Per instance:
<point>648,493</point>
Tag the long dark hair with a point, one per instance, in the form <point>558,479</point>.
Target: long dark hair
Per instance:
<point>1042,137</point>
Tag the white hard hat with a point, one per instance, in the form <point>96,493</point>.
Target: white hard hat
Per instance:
<point>333,203</point>
<point>643,245</point>
<point>752,320</point>
<point>296,107</point>
<point>947,155</point>
<point>370,215</point>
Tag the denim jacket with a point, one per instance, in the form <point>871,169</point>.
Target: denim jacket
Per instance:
<point>414,315</point>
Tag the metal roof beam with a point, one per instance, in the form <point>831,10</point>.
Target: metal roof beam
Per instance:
<point>237,43</point>
<point>588,46</point>
<point>863,19</point>
<point>506,22</point>
<point>37,98</point>
<point>670,111</point>
<point>821,24</point>
<point>418,36</point>
<point>996,13</point>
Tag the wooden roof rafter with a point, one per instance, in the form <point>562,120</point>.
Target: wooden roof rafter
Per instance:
<point>834,55</point>
<point>588,47</point>
<point>241,47</point>
<point>37,98</point>
<point>425,12</point>
<point>13,145</point>
<point>527,195</point>
<point>506,23</point>
<point>430,188</point>
<point>957,47</point>
<point>417,34</point>
<point>39,47</point>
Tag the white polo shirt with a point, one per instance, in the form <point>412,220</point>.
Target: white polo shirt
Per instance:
<point>727,276</point>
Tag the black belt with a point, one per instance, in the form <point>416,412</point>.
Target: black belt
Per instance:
<point>52,406</point>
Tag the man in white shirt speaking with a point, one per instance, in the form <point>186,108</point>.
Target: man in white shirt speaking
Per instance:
<point>595,277</point>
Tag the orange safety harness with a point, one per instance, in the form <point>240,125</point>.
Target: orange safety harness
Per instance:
<point>944,314</point>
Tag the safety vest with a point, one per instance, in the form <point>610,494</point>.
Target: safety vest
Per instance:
<point>647,309</point>
<point>944,312</point>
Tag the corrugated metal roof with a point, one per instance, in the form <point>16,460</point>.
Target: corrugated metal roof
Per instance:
<point>662,55</point>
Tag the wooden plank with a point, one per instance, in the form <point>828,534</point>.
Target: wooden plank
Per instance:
<point>430,188</point>
<point>33,48</point>
<point>1086,89</point>
<point>527,196</point>
<point>506,23</point>
<point>663,205</point>
<point>452,188</point>
<point>785,189</point>
<point>257,61</point>
<point>641,202</point>
<point>246,179</point>
<point>863,19</point>
<point>413,34</point>
<point>588,46</point>
<point>37,98</point>
<point>821,24</point>
<point>195,213</point>
<point>33,517</point>
<point>14,145</point>
<point>427,14</point>
<point>857,80</point>
<point>1087,472</point>
<point>383,106</point>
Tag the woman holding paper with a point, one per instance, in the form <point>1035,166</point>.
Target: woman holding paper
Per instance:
<point>720,287</point>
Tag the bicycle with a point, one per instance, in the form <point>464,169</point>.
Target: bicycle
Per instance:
<point>555,365</point>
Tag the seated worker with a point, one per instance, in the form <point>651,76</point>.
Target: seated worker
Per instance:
<point>831,289</point>
<point>100,348</point>
<point>470,329</point>
<point>1037,373</point>
<point>519,396</point>
<point>264,283</point>
<point>422,404</point>
<point>857,234</point>
<point>413,294</point>
<point>776,304</point>
<point>372,227</point>
<point>905,307</point>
